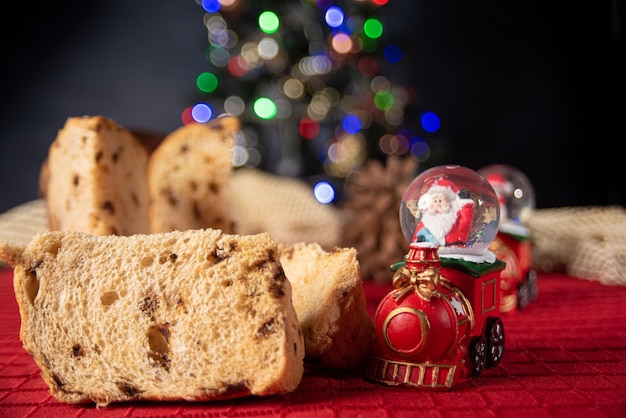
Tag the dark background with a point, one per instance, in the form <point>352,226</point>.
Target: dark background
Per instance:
<point>536,85</point>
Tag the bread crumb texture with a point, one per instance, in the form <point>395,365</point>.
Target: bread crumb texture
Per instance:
<point>189,177</point>
<point>330,303</point>
<point>194,315</point>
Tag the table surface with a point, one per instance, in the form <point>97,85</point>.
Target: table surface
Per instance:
<point>565,356</point>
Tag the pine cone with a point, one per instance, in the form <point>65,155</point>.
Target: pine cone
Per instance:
<point>372,203</point>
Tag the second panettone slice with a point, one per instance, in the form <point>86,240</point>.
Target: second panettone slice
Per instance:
<point>189,175</point>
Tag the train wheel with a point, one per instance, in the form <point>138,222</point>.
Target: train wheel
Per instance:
<point>523,295</point>
<point>495,341</point>
<point>532,284</point>
<point>478,353</point>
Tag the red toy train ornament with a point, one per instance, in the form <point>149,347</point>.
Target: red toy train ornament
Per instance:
<point>441,325</point>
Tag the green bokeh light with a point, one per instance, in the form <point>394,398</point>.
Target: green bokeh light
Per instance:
<point>383,100</point>
<point>268,22</point>
<point>265,108</point>
<point>373,28</point>
<point>207,82</point>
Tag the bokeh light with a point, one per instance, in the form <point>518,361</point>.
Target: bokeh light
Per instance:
<point>186,117</point>
<point>420,149</point>
<point>393,53</point>
<point>217,55</point>
<point>234,105</point>
<point>238,66</point>
<point>352,124</point>
<point>308,128</point>
<point>293,88</point>
<point>383,100</point>
<point>373,28</point>
<point>430,122</point>
<point>264,108</point>
<point>268,48</point>
<point>269,22</point>
<point>368,66</point>
<point>211,6</point>
<point>202,112</point>
<point>342,43</point>
<point>207,82</point>
<point>324,192</point>
<point>334,16</point>
<point>393,144</point>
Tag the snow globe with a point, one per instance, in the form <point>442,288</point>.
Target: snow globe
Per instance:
<point>516,196</point>
<point>513,243</point>
<point>454,207</point>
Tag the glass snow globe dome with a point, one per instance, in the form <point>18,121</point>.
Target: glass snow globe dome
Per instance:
<point>516,196</point>
<point>454,208</point>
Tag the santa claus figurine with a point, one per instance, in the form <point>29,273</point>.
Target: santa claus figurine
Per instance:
<point>446,218</point>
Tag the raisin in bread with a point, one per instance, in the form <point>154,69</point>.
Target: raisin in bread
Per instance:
<point>96,179</point>
<point>330,303</point>
<point>194,315</point>
<point>189,177</point>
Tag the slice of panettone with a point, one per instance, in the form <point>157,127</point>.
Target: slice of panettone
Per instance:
<point>330,303</point>
<point>95,177</point>
<point>189,177</point>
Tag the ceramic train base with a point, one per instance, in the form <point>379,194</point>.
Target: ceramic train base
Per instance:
<point>440,325</point>
<point>519,278</point>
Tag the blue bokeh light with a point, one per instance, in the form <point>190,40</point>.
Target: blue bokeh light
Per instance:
<point>352,124</point>
<point>393,53</point>
<point>211,6</point>
<point>430,122</point>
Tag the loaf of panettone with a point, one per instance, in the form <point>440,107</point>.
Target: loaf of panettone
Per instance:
<point>96,179</point>
<point>189,177</point>
<point>330,304</point>
<point>186,315</point>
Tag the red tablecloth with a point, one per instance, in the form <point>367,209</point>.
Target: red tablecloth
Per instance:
<point>565,356</point>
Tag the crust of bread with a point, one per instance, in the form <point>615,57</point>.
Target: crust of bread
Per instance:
<point>189,177</point>
<point>96,179</point>
<point>194,315</point>
<point>330,303</point>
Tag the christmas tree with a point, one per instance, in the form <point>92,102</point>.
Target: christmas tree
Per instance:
<point>310,81</point>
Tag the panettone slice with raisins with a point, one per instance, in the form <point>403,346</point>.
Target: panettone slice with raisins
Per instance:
<point>95,179</point>
<point>330,303</point>
<point>185,315</point>
<point>189,177</point>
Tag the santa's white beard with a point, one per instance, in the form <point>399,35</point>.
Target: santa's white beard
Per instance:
<point>439,224</point>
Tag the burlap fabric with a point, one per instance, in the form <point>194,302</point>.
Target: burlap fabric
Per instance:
<point>283,206</point>
<point>585,242</point>
<point>22,222</point>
